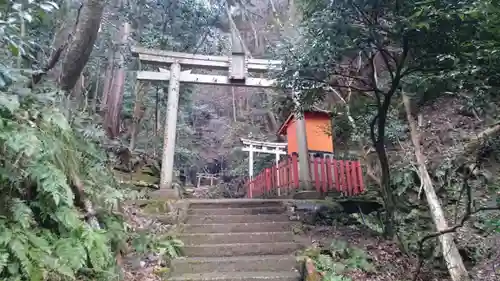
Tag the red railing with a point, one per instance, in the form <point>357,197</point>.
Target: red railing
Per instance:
<point>344,176</point>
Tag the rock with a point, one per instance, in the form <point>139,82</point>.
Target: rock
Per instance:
<point>152,258</point>
<point>137,263</point>
<point>311,272</point>
<point>313,211</point>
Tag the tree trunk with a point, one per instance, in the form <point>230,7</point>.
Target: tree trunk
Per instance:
<point>234,104</point>
<point>115,96</point>
<point>78,91</point>
<point>108,81</point>
<point>82,44</point>
<point>157,122</point>
<point>95,96</point>
<point>141,89</point>
<point>271,117</point>
<point>454,262</point>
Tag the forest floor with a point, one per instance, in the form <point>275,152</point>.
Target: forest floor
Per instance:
<point>390,263</point>
<point>143,265</point>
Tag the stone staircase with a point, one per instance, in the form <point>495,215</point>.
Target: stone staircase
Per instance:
<point>237,239</point>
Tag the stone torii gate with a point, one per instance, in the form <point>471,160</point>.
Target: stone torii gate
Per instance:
<point>238,66</point>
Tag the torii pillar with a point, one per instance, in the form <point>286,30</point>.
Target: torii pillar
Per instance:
<point>169,134</point>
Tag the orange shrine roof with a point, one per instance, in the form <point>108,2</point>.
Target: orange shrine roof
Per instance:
<point>290,118</point>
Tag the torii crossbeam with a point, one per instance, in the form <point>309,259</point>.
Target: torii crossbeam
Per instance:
<point>237,65</point>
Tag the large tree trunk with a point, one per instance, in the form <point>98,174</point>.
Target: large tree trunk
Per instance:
<point>82,44</point>
<point>114,97</point>
<point>108,81</point>
<point>450,252</point>
<point>78,91</point>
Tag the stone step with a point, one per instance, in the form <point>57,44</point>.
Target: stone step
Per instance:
<point>274,263</point>
<point>196,219</point>
<point>233,203</point>
<point>239,276</point>
<point>240,249</point>
<point>237,227</point>
<point>235,237</point>
<point>237,211</point>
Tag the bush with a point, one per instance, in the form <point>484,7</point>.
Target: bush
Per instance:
<point>57,195</point>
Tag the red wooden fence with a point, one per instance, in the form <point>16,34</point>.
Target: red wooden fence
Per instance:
<point>327,174</point>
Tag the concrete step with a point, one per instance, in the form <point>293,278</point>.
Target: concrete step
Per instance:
<point>239,276</point>
<point>274,263</point>
<point>237,227</point>
<point>196,219</point>
<point>235,237</point>
<point>233,203</point>
<point>240,249</point>
<point>237,211</point>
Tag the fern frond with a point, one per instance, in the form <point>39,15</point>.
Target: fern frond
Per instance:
<point>19,250</point>
<point>22,213</point>
<point>4,259</point>
<point>53,182</point>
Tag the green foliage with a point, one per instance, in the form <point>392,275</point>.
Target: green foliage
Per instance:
<point>428,49</point>
<point>180,26</point>
<point>263,161</point>
<point>370,221</point>
<point>338,259</point>
<point>51,171</point>
<point>31,13</point>
<point>45,159</point>
<point>167,246</point>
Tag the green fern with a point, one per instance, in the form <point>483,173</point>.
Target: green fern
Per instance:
<point>42,234</point>
<point>166,246</point>
<point>170,248</point>
<point>338,259</point>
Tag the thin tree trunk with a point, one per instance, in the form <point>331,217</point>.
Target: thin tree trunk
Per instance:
<point>22,35</point>
<point>273,123</point>
<point>234,104</point>
<point>95,97</point>
<point>82,44</point>
<point>147,112</point>
<point>158,118</point>
<point>156,123</point>
<point>454,261</point>
<point>141,89</point>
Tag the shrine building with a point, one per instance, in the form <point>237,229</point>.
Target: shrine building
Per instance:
<point>318,132</point>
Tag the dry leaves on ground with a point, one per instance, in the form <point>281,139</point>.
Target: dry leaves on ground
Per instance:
<point>143,267</point>
<point>390,263</point>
